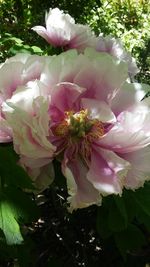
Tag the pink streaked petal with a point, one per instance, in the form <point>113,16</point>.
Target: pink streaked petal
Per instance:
<point>59,27</point>
<point>81,191</point>
<point>98,110</point>
<point>11,77</point>
<point>82,38</point>
<point>57,38</point>
<point>115,48</point>
<point>106,171</point>
<point>140,168</point>
<point>61,68</point>
<point>24,95</point>
<point>30,131</point>
<point>34,163</point>
<point>103,77</point>
<point>33,68</point>
<point>129,95</point>
<point>64,96</point>
<point>40,30</point>
<point>130,133</point>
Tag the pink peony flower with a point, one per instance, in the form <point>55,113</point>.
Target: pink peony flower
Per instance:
<point>115,48</point>
<point>84,113</point>
<point>61,30</point>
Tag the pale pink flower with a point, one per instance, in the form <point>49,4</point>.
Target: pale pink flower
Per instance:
<point>61,30</point>
<point>73,114</point>
<point>115,48</point>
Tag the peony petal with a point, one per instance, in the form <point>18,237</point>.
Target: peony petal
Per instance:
<point>129,95</point>
<point>103,76</point>
<point>64,96</point>
<point>34,163</point>
<point>30,129</point>
<point>107,171</point>
<point>18,70</point>
<point>40,30</point>
<point>5,131</point>
<point>40,171</point>
<point>115,48</point>
<point>55,72</point>
<point>81,191</point>
<point>56,18</point>
<point>23,97</point>
<point>131,132</point>
<point>45,177</point>
<point>140,168</point>
<point>10,77</point>
<point>52,37</point>
<point>98,110</point>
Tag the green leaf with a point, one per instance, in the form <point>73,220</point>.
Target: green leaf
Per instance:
<point>102,222</point>
<point>129,239</point>
<point>9,224</point>
<point>130,204</point>
<point>15,206</point>
<point>37,49</point>
<point>22,205</point>
<point>11,172</point>
<point>20,48</point>
<point>117,217</point>
<point>142,198</point>
<point>112,216</point>
<point>143,218</point>
<point>11,38</point>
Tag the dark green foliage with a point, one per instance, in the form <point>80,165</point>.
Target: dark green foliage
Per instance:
<point>10,172</point>
<point>127,219</point>
<point>16,206</point>
<point>129,239</point>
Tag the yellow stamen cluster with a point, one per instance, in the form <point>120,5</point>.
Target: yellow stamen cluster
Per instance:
<point>78,125</point>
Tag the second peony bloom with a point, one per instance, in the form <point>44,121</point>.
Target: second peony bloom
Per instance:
<point>83,112</point>
<point>61,30</point>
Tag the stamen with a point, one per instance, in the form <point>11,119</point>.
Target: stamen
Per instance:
<point>61,129</point>
<point>78,125</point>
<point>96,132</point>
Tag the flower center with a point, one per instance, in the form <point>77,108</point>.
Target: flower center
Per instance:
<point>78,125</point>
